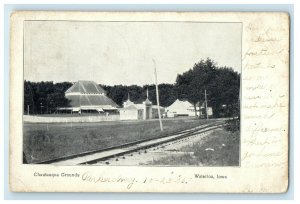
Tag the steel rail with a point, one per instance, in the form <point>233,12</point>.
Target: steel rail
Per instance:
<point>180,133</point>
<point>138,148</point>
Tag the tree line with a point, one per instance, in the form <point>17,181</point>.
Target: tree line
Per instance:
<point>221,84</point>
<point>44,97</point>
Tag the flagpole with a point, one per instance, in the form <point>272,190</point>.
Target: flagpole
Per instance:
<point>157,96</point>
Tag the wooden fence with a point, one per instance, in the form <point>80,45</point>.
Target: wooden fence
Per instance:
<point>83,119</point>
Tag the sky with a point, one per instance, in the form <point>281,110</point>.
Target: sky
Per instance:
<point>114,53</point>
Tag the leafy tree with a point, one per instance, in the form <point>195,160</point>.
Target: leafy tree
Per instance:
<point>192,84</point>
<point>29,103</point>
<point>44,97</point>
<point>220,83</point>
<point>118,94</point>
<point>167,94</point>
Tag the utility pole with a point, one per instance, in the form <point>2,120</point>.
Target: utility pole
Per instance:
<point>206,104</point>
<point>41,108</point>
<point>157,97</point>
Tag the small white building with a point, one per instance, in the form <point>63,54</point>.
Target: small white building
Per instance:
<point>129,113</point>
<point>132,111</point>
<point>203,112</point>
<point>155,111</point>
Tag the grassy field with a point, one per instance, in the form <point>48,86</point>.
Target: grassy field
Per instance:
<point>49,141</point>
<point>220,148</point>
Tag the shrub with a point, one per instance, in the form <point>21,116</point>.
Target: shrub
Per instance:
<point>232,125</point>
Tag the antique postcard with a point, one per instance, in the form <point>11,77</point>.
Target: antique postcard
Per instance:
<point>149,102</point>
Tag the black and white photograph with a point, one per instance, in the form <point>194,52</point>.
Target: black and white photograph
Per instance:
<point>136,93</point>
<point>163,102</point>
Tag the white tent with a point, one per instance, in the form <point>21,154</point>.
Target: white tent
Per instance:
<point>180,108</point>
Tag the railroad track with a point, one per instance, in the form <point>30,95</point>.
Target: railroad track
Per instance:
<point>93,157</point>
